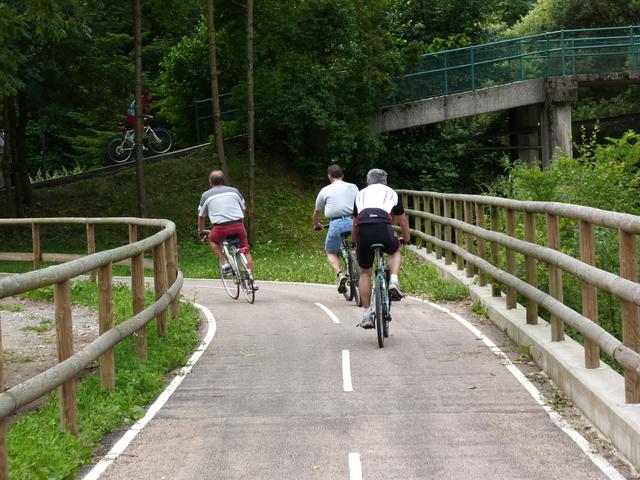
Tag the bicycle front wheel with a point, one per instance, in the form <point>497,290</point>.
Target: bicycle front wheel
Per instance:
<point>380,317</point>
<point>354,279</point>
<point>230,281</point>
<point>246,280</point>
<point>159,140</point>
<point>119,150</point>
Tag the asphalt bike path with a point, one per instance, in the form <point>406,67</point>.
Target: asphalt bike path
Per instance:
<point>290,388</point>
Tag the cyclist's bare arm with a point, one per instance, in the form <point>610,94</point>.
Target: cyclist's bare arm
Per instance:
<point>315,219</point>
<point>404,226</point>
<point>201,225</point>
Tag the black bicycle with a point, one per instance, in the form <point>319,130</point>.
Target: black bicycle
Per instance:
<point>349,266</point>
<point>239,275</point>
<point>382,313</point>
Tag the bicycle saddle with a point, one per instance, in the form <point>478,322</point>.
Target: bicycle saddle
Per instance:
<point>233,240</point>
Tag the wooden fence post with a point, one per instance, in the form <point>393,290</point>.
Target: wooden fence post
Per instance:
<point>160,285</point>
<point>555,277</point>
<point>172,269</point>
<point>64,337</point>
<point>427,223</point>
<point>4,458</point>
<point>91,246</point>
<point>459,241</point>
<point>468,219</point>
<point>531,266</point>
<point>37,249</point>
<point>589,292</point>
<point>482,276</point>
<point>630,318</point>
<point>105,315</point>
<point>418,220</point>
<point>175,305</point>
<point>438,226</point>
<point>447,231</point>
<point>137,292</point>
<point>495,226</point>
<point>510,221</point>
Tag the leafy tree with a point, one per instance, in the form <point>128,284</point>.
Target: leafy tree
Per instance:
<point>550,15</point>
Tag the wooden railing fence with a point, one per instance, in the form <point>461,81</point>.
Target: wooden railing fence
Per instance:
<point>167,282</point>
<point>465,219</point>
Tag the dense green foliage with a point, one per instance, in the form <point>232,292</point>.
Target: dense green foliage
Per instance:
<point>37,447</point>
<point>604,176</point>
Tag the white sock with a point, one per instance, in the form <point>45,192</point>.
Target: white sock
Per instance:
<point>393,278</point>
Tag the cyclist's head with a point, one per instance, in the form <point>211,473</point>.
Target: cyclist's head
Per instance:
<point>376,175</point>
<point>216,177</point>
<point>334,171</point>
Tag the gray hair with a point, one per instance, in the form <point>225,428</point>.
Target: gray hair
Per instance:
<point>376,175</point>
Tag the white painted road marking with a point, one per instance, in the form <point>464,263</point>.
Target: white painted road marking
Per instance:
<point>346,372</point>
<point>130,434</point>
<point>332,316</point>
<point>601,462</point>
<point>355,467</point>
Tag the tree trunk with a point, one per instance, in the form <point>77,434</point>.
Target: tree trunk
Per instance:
<point>250,125</point>
<point>21,154</point>
<point>137,18</point>
<point>215,96</point>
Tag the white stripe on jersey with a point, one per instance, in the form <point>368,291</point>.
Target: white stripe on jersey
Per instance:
<point>377,196</point>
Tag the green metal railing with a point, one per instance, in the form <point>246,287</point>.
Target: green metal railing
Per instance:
<point>565,52</point>
<point>204,114</point>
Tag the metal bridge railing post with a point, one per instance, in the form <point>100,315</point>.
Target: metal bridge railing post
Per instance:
<point>634,50</point>
<point>473,69</point>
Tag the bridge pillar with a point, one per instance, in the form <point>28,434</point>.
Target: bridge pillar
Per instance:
<point>555,126</point>
<point>524,137</point>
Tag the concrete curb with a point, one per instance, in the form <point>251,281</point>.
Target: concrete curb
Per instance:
<point>598,393</point>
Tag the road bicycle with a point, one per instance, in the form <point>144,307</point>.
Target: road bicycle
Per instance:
<point>349,266</point>
<point>382,312</point>
<point>239,275</point>
<point>157,140</point>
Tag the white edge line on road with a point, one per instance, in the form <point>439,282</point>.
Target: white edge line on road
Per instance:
<point>332,315</point>
<point>601,462</point>
<point>355,467</point>
<point>130,434</point>
<point>346,372</point>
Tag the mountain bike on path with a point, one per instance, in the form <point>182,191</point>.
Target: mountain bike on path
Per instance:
<point>349,266</point>
<point>238,274</point>
<point>156,139</point>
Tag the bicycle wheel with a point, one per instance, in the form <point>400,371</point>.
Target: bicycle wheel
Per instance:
<point>386,310</point>
<point>230,281</point>
<point>345,267</point>
<point>246,280</point>
<point>354,279</point>
<point>379,313</point>
<point>119,150</point>
<point>159,140</point>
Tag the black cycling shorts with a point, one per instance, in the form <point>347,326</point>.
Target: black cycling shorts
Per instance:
<point>370,233</point>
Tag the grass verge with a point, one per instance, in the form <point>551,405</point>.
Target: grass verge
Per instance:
<point>37,447</point>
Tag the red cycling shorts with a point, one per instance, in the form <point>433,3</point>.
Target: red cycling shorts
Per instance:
<point>220,233</point>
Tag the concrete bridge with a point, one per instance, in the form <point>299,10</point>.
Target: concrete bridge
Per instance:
<point>535,79</point>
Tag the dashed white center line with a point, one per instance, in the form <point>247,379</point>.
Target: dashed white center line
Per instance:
<point>355,467</point>
<point>346,372</point>
<point>332,315</point>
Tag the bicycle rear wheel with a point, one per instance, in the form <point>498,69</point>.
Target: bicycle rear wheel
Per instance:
<point>119,150</point>
<point>345,267</point>
<point>246,280</point>
<point>159,140</point>
<point>354,279</point>
<point>386,310</point>
<point>230,281</point>
<point>379,313</point>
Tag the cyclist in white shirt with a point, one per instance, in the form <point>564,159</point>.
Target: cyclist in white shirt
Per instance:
<point>374,209</point>
<point>337,201</point>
